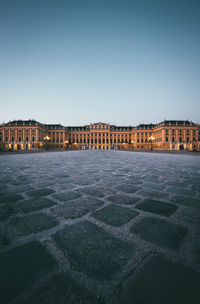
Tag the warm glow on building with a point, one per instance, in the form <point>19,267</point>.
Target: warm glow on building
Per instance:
<point>167,135</point>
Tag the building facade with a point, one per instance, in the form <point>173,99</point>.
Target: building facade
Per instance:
<point>166,135</point>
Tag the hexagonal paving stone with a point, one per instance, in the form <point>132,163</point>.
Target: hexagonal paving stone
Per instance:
<point>67,196</point>
<point>157,207</point>
<point>153,194</point>
<point>187,201</point>
<point>6,211</point>
<point>115,215</point>
<point>20,267</point>
<point>32,223</point>
<point>123,199</point>
<point>19,189</point>
<point>154,186</point>
<point>181,191</point>
<point>10,198</point>
<point>62,289</point>
<point>78,208</point>
<point>35,204</point>
<point>94,250</point>
<point>64,187</point>
<point>3,240</point>
<point>152,178</point>
<point>160,281</point>
<point>127,188</point>
<point>159,232</point>
<point>93,191</point>
<point>39,192</point>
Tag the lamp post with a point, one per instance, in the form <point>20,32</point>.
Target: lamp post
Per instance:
<point>66,143</point>
<point>47,139</point>
<point>151,138</point>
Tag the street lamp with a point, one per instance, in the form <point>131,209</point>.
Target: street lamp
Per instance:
<point>151,138</point>
<point>66,143</point>
<point>46,139</point>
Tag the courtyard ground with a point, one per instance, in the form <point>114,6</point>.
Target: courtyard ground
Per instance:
<point>99,227</point>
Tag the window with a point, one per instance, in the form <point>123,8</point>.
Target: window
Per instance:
<point>166,139</point>
<point>6,138</point>
<point>27,138</point>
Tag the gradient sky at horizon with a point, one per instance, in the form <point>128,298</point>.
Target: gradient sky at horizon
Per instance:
<point>75,62</point>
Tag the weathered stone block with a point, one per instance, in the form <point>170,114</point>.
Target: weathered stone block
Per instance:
<point>94,250</point>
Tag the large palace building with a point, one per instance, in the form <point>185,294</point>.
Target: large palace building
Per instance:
<point>166,135</point>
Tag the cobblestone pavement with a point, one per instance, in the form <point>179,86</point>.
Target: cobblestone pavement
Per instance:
<point>99,227</point>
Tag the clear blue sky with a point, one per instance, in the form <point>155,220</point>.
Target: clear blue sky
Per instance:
<point>76,62</point>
